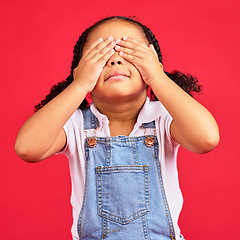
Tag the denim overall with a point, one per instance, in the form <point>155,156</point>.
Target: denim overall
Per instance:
<point>124,196</point>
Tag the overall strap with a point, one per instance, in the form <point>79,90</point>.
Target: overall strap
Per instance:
<point>89,119</point>
<point>149,125</point>
<point>91,122</point>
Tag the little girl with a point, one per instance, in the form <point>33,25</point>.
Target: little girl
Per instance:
<point>122,149</point>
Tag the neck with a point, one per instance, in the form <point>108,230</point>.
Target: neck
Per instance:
<point>122,114</point>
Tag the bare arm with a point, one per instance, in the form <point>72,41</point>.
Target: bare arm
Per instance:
<point>42,135</point>
<point>193,126</point>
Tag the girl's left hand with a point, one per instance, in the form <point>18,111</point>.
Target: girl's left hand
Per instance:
<point>143,57</point>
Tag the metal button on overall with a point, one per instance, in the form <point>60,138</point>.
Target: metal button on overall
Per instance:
<point>124,195</point>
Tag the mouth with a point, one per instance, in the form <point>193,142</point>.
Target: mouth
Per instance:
<point>116,75</point>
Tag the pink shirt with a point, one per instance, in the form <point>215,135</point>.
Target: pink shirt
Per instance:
<point>74,150</point>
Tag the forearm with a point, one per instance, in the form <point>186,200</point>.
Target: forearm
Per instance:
<point>42,135</point>
<point>193,125</point>
<point>40,131</point>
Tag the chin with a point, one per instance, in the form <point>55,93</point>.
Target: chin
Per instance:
<point>120,93</point>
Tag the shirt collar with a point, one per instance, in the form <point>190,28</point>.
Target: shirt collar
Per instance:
<point>150,111</point>
<point>102,119</point>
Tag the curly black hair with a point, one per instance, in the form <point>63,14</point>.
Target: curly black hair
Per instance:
<point>187,82</point>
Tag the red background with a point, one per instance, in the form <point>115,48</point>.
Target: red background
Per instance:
<point>37,39</point>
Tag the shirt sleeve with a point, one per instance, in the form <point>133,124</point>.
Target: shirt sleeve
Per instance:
<point>170,141</point>
<point>72,130</point>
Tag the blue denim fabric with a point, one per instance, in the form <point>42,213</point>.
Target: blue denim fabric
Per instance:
<point>124,194</point>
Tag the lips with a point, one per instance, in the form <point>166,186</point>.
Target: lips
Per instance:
<point>116,75</point>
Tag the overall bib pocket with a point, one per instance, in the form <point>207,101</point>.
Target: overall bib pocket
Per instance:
<point>122,192</point>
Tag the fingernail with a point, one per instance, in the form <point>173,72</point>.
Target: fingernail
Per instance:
<point>125,38</point>
<point>112,51</point>
<point>117,47</point>
<point>113,42</point>
<point>121,53</point>
<point>100,39</point>
<point>110,38</point>
<point>118,41</point>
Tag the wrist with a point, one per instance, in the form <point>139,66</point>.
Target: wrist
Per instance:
<point>158,80</point>
<point>82,87</point>
<point>78,89</point>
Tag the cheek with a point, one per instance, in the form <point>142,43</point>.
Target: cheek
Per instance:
<point>101,76</point>
<point>135,73</point>
<point>133,70</point>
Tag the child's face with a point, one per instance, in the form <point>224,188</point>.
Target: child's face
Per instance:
<point>133,86</point>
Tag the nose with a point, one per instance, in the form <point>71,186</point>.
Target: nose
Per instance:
<point>115,60</point>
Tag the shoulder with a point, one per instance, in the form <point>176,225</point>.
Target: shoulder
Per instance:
<point>74,123</point>
<point>163,124</point>
<point>151,110</point>
<point>75,118</point>
<point>158,110</point>
<point>77,114</point>
<point>73,130</point>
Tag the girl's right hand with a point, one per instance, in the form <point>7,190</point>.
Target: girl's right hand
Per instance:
<point>42,135</point>
<point>92,62</point>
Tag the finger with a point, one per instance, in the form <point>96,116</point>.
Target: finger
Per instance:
<point>132,43</point>
<point>130,58</point>
<point>104,58</point>
<point>129,51</point>
<point>99,46</point>
<point>101,53</point>
<point>93,45</point>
